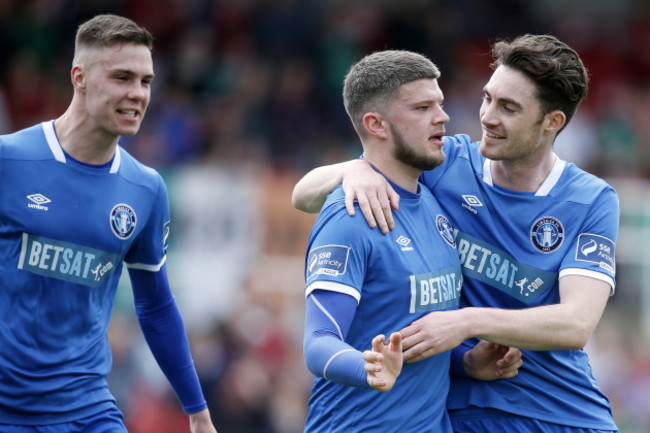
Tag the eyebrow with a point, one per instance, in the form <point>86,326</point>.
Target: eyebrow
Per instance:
<point>427,102</point>
<point>131,73</point>
<point>504,100</point>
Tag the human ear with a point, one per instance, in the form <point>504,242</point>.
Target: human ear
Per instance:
<point>78,77</point>
<point>555,121</point>
<point>374,123</point>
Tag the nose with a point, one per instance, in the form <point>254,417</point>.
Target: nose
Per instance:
<point>487,113</point>
<point>138,91</point>
<point>441,117</point>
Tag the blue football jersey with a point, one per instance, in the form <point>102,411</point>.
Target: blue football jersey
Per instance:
<point>513,247</point>
<point>396,279</point>
<point>66,228</point>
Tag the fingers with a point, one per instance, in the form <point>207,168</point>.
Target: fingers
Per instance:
<point>378,343</point>
<point>377,383</point>
<point>512,357</point>
<point>512,353</point>
<point>395,342</point>
<point>415,353</point>
<point>349,202</point>
<point>408,332</point>
<point>510,362</point>
<point>393,198</point>
<point>381,213</point>
<point>377,208</point>
<point>373,366</point>
<point>511,370</point>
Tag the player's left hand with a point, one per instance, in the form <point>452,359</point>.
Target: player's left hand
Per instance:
<point>200,422</point>
<point>384,362</point>
<point>432,334</point>
<point>492,361</point>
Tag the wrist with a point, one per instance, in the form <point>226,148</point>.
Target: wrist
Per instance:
<point>201,418</point>
<point>469,322</point>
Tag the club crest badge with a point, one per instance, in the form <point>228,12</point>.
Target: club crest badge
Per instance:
<point>547,234</point>
<point>446,230</point>
<point>123,220</point>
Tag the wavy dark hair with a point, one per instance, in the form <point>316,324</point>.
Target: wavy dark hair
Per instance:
<point>558,72</point>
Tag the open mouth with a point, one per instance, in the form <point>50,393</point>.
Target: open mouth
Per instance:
<point>437,137</point>
<point>493,135</point>
<point>129,113</point>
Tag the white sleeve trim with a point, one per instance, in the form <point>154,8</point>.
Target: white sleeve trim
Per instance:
<point>592,274</point>
<point>145,267</point>
<point>329,361</point>
<point>333,287</point>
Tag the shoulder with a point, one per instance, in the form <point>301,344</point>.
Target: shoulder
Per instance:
<point>460,143</point>
<point>461,146</point>
<point>461,154</point>
<point>335,219</point>
<point>28,143</point>
<point>138,173</point>
<point>583,187</point>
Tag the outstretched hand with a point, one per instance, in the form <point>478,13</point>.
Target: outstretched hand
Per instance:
<point>376,198</point>
<point>491,361</point>
<point>384,362</point>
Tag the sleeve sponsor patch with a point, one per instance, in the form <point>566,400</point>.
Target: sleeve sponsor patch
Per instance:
<point>327,260</point>
<point>596,249</point>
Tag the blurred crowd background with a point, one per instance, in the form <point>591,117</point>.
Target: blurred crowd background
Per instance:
<point>247,99</point>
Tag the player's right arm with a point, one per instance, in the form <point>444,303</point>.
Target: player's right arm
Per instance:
<point>375,196</point>
<point>328,316</point>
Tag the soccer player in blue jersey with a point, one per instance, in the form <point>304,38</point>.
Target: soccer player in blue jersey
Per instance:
<point>361,284</point>
<point>75,207</point>
<point>536,239</point>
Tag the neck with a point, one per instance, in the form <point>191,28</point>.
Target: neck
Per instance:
<point>82,139</point>
<point>525,174</point>
<point>399,173</point>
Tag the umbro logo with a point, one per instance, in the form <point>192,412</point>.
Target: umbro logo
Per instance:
<point>471,202</point>
<point>404,242</point>
<point>37,201</point>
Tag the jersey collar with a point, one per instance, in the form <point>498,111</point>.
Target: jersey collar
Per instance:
<point>57,150</point>
<point>546,186</point>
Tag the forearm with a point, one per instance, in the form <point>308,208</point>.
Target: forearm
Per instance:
<point>566,325</point>
<point>164,332</point>
<point>550,327</point>
<point>327,319</point>
<point>163,328</point>
<point>310,192</point>
<point>334,360</point>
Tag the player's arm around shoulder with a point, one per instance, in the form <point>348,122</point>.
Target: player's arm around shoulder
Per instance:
<point>361,183</point>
